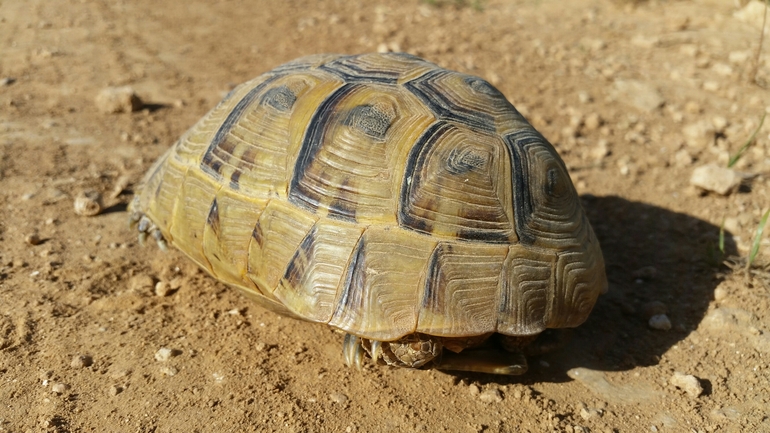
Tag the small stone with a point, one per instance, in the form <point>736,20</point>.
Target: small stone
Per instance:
<point>682,158</point>
<point>339,398</point>
<point>753,13</point>
<point>739,57</point>
<point>7,81</point>
<point>162,288</point>
<point>491,396</point>
<point>720,123</point>
<point>59,388</point>
<point>33,239</point>
<point>687,383</point>
<point>592,122</point>
<point>115,390</point>
<point>720,294</point>
<point>722,69</point>
<point>163,354</point>
<point>714,178</point>
<point>699,134</point>
<point>169,370</point>
<point>638,94</point>
<point>118,100</point>
<point>660,322</point>
<point>81,361</point>
<point>88,203</point>
<point>711,86</point>
<point>474,389</point>
<point>141,283</point>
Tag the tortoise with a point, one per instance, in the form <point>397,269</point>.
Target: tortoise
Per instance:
<point>410,206</point>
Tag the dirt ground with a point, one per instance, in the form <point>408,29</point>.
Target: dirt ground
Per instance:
<point>634,95</point>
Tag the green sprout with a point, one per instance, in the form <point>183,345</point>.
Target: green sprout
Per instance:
<point>757,239</point>
<point>745,147</point>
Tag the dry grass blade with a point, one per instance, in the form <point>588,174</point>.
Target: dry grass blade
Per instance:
<point>745,147</point>
<point>759,48</point>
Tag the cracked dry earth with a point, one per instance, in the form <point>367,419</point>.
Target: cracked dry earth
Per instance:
<point>634,95</point>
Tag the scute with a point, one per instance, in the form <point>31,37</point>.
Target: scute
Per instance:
<point>383,195</point>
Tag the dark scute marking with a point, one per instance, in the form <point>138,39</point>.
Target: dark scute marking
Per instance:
<point>281,98</point>
<point>416,159</point>
<point>355,280</point>
<point>471,234</point>
<point>299,194</point>
<point>439,103</point>
<point>433,296</point>
<point>553,186</point>
<point>462,161</point>
<point>370,120</point>
<point>235,178</point>
<point>297,267</point>
<point>212,220</point>
<point>481,86</point>
<point>517,143</point>
<point>257,235</point>
<point>211,166</point>
<point>348,69</point>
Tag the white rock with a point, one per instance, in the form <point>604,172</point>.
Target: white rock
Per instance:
<point>714,178</point>
<point>660,322</point>
<point>491,396</point>
<point>638,94</point>
<point>118,100</point>
<point>739,57</point>
<point>722,69</point>
<point>88,203</point>
<point>687,383</point>
<point>753,13</point>
<point>163,354</point>
<point>699,134</point>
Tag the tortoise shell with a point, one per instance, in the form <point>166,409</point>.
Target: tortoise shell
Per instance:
<point>382,195</point>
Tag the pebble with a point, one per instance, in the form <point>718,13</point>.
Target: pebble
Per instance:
<point>59,388</point>
<point>714,178</point>
<point>7,81</point>
<point>169,370</point>
<point>162,288</point>
<point>491,396</point>
<point>81,361</point>
<point>88,203</point>
<point>699,134</point>
<point>33,239</point>
<point>163,354</point>
<point>339,398</point>
<point>118,100</point>
<point>688,383</point>
<point>660,322</point>
<point>141,283</point>
<point>115,390</point>
<point>720,294</point>
<point>638,94</point>
<point>753,13</point>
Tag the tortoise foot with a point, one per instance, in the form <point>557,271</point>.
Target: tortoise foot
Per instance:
<point>146,227</point>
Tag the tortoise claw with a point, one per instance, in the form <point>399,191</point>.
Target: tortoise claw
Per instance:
<point>146,227</point>
<point>353,351</point>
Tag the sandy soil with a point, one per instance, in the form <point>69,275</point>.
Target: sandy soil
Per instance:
<point>634,95</point>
